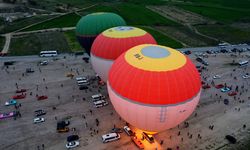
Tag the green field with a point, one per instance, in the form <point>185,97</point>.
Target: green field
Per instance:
<point>51,5</point>
<point>238,4</point>
<point>224,15</point>
<point>18,24</point>
<point>162,39</point>
<point>32,44</point>
<point>68,20</point>
<point>144,16</point>
<point>226,33</point>
<point>187,36</point>
<point>72,41</point>
<point>133,14</point>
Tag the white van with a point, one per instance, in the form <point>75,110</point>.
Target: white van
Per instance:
<point>98,97</point>
<point>83,82</point>
<point>81,78</point>
<point>110,137</point>
<point>243,63</point>
<point>100,103</point>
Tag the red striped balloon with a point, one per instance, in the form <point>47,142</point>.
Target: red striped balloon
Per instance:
<point>111,43</point>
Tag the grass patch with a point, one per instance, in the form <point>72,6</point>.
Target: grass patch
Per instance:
<point>225,15</point>
<point>72,41</point>
<point>226,33</point>
<point>18,24</point>
<point>143,16</point>
<point>187,36</point>
<point>2,42</point>
<point>32,44</point>
<point>244,4</point>
<point>68,20</point>
<point>162,39</point>
<point>133,14</point>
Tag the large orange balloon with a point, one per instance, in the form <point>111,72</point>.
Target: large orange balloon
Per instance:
<point>154,87</point>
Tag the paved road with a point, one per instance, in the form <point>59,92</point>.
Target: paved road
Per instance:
<point>7,43</point>
<point>36,57</point>
<point>29,58</point>
<point>45,30</point>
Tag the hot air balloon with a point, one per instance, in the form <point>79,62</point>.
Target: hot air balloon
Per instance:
<point>111,43</point>
<point>154,87</point>
<point>89,26</point>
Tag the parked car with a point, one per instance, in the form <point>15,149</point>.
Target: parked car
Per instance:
<point>40,112</point>
<point>19,96</point>
<point>206,86</point>
<point>63,123</point>
<point>205,63</point>
<point>7,115</point>
<point>100,103</point>
<point>137,142</point>
<point>110,137</point>
<point>246,76</point>
<point>98,97</point>
<point>225,89</point>
<point>44,63</point>
<point>83,87</point>
<point>187,52</point>
<point>72,138</point>
<point>10,102</point>
<point>30,70</point>
<point>219,86</point>
<point>81,78</point>
<point>21,90</point>
<point>224,51</point>
<point>82,82</point>
<point>199,59</point>
<point>116,130</point>
<point>128,131</point>
<point>42,97</point>
<point>72,144</point>
<point>232,93</point>
<point>216,77</point>
<point>209,52</point>
<point>8,63</point>
<point>38,120</point>
<point>231,139</point>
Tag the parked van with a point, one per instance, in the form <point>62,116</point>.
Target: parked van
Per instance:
<point>100,103</point>
<point>243,63</point>
<point>81,78</point>
<point>82,82</point>
<point>110,137</point>
<point>98,97</point>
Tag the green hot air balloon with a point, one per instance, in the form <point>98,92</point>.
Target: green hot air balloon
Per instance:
<point>89,26</point>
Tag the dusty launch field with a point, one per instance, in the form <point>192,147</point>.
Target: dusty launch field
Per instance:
<point>75,104</point>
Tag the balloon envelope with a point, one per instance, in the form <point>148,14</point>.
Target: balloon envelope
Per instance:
<point>111,43</point>
<point>154,87</point>
<point>89,26</point>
